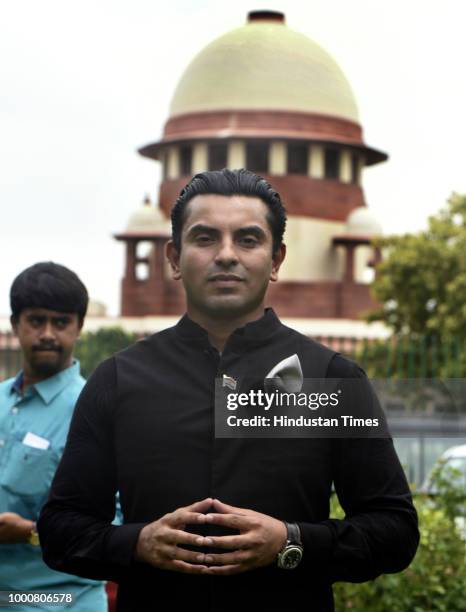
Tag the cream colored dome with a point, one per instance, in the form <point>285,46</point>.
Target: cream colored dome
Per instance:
<point>147,218</point>
<point>361,222</point>
<point>264,65</point>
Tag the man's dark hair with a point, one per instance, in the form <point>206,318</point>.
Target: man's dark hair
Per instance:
<point>48,285</point>
<point>228,183</point>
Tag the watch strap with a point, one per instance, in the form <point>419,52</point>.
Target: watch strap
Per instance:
<point>291,554</point>
<point>294,533</point>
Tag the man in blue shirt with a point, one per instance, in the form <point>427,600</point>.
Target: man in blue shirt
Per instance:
<point>48,304</point>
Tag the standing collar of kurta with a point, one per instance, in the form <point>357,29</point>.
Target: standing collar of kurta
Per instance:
<point>49,388</point>
<point>255,332</point>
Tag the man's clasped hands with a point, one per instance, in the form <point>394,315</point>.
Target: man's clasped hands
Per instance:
<point>260,538</point>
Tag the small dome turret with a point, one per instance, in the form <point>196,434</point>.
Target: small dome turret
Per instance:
<point>362,222</point>
<point>148,219</point>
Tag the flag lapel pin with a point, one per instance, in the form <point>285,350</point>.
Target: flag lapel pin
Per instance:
<point>229,382</point>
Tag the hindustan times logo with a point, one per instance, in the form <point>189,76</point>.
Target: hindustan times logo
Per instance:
<point>279,399</point>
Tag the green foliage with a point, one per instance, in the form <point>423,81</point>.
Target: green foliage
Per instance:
<point>421,282</point>
<point>435,580</point>
<point>413,356</point>
<point>94,347</point>
<point>446,483</point>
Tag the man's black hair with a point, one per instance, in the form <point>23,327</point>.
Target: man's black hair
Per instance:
<point>230,182</point>
<point>48,285</point>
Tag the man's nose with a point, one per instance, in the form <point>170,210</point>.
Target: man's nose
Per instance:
<point>226,254</point>
<point>47,331</point>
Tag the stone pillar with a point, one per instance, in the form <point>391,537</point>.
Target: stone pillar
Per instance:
<point>317,161</point>
<point>159,259</point>
<point>130,270</point>
<point>345,166</point>
<point>349,264</point>
<point>278,158</point>
<point>173,170</point>
<point>236,155</point>
<point>200,162</point>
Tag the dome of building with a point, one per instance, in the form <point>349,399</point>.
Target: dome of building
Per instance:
<point>361,222</point>
<point>264,65</point>
<point>147,219</point>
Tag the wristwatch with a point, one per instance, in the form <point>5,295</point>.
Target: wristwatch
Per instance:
<point>291,554</point>
<point>33,538</point>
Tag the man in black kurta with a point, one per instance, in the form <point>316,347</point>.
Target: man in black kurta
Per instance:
<point>144,426</point>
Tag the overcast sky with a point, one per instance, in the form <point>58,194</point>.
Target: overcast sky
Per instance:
<point>84,84</point>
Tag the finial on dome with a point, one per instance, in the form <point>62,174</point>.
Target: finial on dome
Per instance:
<point>274,16</point>
<point>147,201</point>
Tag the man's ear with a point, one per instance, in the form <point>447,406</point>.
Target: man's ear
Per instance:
<point>277,260</point>
<point>173,257</point>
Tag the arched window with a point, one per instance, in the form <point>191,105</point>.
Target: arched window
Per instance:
<point>142,271</point>
<point>186,156</point>
<point>298,158</point>
<point>355,179</point>
<point>143,249</point>
<point>332,163</point>
<point>164,164</point>
<point>257,156</point>
<point>217,152</point>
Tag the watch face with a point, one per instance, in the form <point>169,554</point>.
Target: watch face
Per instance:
<point>291,557</point>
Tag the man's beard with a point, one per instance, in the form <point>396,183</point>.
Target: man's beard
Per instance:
<point>47,367</point>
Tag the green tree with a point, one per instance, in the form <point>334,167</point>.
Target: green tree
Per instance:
<point>421,282</point>
<point>94,347</point>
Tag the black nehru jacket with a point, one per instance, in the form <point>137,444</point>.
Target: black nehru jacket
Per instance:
<point>144,426</point>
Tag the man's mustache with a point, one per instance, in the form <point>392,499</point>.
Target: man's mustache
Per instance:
<point>47,347</point>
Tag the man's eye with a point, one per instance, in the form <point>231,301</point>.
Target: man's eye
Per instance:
<point>204,239</point>
<point>61,323</point>
<point>248,240</point>
<point>36,321</point>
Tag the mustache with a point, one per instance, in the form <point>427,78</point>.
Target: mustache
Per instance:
<point>47,347</point>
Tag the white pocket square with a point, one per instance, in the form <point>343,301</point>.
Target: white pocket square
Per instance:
<point>287,375</point>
